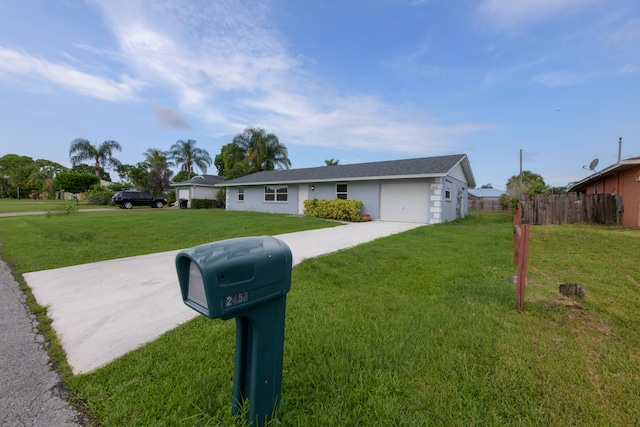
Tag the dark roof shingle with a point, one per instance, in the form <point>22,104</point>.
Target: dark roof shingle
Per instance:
<point>425,166</point>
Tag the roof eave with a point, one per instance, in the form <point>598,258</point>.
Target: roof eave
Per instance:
<point>466,167</point>
<point>182,184</point>
<point>610,170</point>
<point>315,181</point>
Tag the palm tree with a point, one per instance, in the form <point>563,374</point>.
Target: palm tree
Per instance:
<point>186,154</point>
<point>331,162</point>
<point>81,149</point>
<point>159,174</point>
<point>263,151</point>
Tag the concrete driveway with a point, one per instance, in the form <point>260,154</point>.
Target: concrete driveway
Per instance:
<point>103,310</point>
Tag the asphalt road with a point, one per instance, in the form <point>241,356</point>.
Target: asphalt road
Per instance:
<point>31,392</point>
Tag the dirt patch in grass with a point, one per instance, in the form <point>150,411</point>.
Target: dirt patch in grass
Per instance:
<point>577,317</point>
<point>566,302</point>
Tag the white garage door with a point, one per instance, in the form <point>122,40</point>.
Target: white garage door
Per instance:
<point>183,193</point>
<point>408,202</point>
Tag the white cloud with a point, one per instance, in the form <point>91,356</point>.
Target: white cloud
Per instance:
<point>512,15</point>
<point>360,122</point>
<point>624,34</point>
<point>225,65</point>
<point>20,67</point>
<point>627,69</point>
<point>561,79</point>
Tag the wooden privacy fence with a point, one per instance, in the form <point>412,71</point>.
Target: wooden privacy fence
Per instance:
<point>520,255</point>
<point>542,209</point>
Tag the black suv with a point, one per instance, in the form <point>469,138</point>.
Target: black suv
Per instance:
<point>129,199</point>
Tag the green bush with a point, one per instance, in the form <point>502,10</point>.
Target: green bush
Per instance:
<point>99,196</point>
<point>71,206</point>
<point>512,202</point>
<point>171,198</point>
<point>339,209</point>
<point>202,203</point>
<point>221,199</point>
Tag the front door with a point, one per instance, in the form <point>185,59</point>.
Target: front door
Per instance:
<point>303,194</point>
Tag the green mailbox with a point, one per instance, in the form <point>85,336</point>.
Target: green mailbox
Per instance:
<point>246,278</point>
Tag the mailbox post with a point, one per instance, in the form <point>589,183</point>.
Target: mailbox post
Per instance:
<point>246,278</point>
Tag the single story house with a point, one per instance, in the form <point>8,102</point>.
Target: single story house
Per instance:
<point>198,187</point>
<point>621,179</point>
<point>486,199</point>
<point>426,190</point>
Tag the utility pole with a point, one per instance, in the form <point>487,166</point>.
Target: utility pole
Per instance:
<point>521,167</point>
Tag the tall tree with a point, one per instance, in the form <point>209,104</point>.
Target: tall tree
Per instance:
<point>31,177</point>
<point>17,171</point>
<point>331,162</point>
<point>158,165</point>
<point>102,155</point>
<point>263,151</point>
<point>531,183</point>
<point>187,156</point>
<point>231,161</point>
<point>41,178</point>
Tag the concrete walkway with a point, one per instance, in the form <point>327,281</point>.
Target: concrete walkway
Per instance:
<point>103,310</point>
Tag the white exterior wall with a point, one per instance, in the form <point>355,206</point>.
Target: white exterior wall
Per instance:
<point>204,193</point>
<point>381,199</point>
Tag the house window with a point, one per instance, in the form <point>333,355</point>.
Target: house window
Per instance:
<point>341,191</point>
<point>240,194</point>
<point>447,190</point>
<point>595,188</point>
<point>275,194</point>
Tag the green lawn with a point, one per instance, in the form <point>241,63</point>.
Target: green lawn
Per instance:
<point>416,329</point>
<point>50,241</point>
<point>30,205</point>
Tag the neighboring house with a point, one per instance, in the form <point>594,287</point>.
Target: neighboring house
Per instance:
<point>622,180</point>
<point>426,190</point>
<point>198,187</point>
<point>486,199</point>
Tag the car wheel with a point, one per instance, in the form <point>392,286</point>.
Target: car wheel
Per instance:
<point>159,204</point>
<point>128,205</point>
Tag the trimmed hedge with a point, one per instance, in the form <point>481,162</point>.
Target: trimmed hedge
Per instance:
<point>339,209</point>
<point>207,203</point>
<point>202,204</point>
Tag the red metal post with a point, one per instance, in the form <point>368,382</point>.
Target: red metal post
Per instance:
<point>522,266</point>
<point>517,221</point>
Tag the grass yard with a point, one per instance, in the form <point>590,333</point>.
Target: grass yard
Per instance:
<point>42,242</point>
<point>30,205</point>
<point>416,329</point>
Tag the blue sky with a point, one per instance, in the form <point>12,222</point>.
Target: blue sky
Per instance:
<point>351,80</point>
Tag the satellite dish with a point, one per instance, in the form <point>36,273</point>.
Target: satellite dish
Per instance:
<point>592,165</point>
